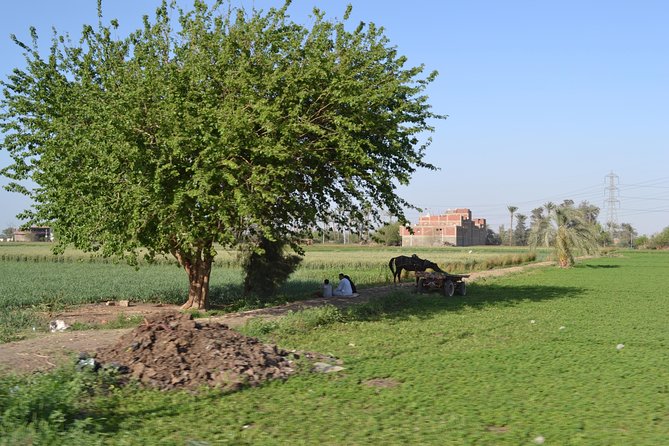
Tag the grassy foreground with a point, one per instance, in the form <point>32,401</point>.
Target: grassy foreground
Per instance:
<point>574,356</point>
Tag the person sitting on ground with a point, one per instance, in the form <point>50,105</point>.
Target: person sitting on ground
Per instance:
<point>327,288</point>
<point>344,287</point>
<point>353,287</point>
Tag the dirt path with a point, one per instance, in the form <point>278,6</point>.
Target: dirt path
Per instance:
<point>46,351</point>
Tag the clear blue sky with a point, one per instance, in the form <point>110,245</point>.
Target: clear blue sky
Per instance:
<point>545,98</point>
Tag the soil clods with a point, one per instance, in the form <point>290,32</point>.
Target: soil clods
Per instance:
<point>173,351</point>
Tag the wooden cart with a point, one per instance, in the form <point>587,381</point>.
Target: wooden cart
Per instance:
<point>449,284</point>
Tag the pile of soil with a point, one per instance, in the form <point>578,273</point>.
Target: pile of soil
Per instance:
<point>173,351</point>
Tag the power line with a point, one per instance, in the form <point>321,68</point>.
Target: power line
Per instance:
<point>645,198</point>
<point>649,182</point>
<point>637,186</point>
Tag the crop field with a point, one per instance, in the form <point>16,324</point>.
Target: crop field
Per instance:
<point>328,256</point>
<point>550,356</point>
<point>35,281</point>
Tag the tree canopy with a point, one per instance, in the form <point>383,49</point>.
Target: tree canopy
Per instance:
<point>219,126</point>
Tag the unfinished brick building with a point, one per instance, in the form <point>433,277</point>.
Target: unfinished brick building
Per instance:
<point>454,228</point>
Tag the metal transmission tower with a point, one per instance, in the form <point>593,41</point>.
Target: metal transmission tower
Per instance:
<point>612,203</point>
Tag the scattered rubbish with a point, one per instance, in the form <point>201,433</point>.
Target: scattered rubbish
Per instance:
<point>58,325</point>
<point>90,364</point>
<point>323,367</point>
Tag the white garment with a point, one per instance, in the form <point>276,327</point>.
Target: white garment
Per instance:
<point>343,288</point>
<point>327,290</point>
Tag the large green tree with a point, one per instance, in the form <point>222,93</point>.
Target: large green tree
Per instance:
<point>213,125</point>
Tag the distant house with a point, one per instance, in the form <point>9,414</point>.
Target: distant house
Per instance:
<point>454,228</point>
<point>34,234</point>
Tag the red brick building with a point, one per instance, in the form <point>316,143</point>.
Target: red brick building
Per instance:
<point>454,228</point>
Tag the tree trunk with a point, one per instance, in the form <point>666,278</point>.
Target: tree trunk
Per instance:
<point>565,258</point>
<point>198,269</point>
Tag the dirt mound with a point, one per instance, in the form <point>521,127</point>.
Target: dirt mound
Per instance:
<point>172,351</point>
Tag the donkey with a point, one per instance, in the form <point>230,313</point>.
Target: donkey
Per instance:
<point>413,263</point>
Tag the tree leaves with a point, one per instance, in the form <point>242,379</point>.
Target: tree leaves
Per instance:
<point>196,130</point>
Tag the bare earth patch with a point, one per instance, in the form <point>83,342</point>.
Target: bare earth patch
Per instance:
<point>104,313</point>
<point>381,382</point>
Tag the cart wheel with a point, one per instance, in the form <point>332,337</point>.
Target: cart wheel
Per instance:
<point>420,286</point>
<point>449,288</point>
<point>462,289</point>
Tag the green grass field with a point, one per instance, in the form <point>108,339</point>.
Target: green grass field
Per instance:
<point>520,357</point>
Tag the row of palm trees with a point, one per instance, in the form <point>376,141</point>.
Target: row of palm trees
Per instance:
<point>566,228</point>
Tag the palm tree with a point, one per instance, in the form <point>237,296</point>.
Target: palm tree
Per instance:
<point>511,209</point>
<point>568,232</point>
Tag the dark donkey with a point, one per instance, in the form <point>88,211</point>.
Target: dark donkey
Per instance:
<point>413,263</point>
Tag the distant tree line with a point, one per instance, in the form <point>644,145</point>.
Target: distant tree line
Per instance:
<point>618,235</point>
<point>657,241</point>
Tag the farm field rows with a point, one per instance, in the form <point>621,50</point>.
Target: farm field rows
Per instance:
<point>574,356</point>
<point>317,256</point>
<point>35,279</point>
